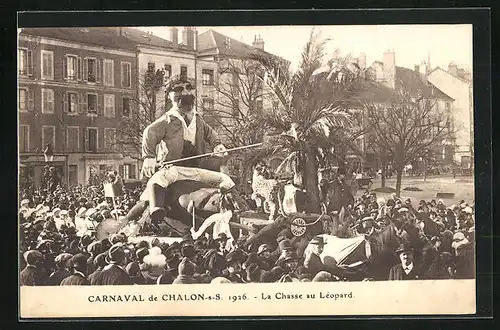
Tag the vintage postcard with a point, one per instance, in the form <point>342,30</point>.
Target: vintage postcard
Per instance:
<point>313,170</point>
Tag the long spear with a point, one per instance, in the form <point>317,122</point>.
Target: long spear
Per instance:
<point>213,153</point>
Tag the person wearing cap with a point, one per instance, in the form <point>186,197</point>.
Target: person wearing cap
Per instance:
<point>291,262</point>
<point>114,273</point>
<point>407,270</point>
<point>171,271</point>
<point>32,274</point>
<point>99,263</point>
<point>234,260</point>
<point>186,271</point>
<point>79,264</point>
<point>312,259</point>
<point>134,272</point>
<point>264,251</point>
<point>62,271</point>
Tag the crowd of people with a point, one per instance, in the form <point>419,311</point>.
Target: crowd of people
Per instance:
<point>58,245</point>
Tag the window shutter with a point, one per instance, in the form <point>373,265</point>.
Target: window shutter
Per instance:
<point>30,62</point>
<point>51,100</point>
<point>65,66</point>
<point>80,103</point>
<point>86,139</point>
<point>100,105</point>
<point>119,107</point>
<point>31,97</point>
<point>79,68</point>
<point>112,72</point>
<point>51,66</point>
<point>98,71</point>
<point>44,100</point>
<point>85,69</point>
<point>65,102</point>
<point>120,171</point>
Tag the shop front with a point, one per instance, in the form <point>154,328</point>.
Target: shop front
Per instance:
<point>33,166</point>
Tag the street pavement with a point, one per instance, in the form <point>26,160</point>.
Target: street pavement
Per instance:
<point>462,186</point>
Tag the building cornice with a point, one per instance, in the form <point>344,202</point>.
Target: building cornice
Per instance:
<point>76,45</point>
<point>75,86</point>
<point>158,51</point>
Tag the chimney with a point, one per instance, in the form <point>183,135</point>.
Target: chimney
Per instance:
<point>195,39</point>
<point>390,69</point>
<point>258,42</point>
<point>174,37</point>
<point>423,71</point>
<point>362,60</point>
<point>190,38</point>
<point>185,36</point>
<point>453,69</point>
<point>417,68</point>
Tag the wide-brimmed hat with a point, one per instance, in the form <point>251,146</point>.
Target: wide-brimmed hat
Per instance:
<point>32,255</point>
<point>222,237</point>
<point>404,248</point>
<point>172,264</point>
<point>317,240</point>
<point>25,202</point>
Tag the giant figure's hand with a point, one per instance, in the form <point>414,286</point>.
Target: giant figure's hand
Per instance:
<point>148,167</point>
<point>220,150</point>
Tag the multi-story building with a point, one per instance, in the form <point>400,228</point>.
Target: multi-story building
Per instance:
<point>74,86</point>
<point>458,84</point>
<point>394,78</point>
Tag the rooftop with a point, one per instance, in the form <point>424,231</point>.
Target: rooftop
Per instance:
<point>214,43</point>
<point>410,79</point>
<point>107,37</point>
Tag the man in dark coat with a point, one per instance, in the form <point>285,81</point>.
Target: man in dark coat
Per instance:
<point>62,271</point>
<point>99,264</point>
<point>407,270</point>
<point>114,273</point>
<point>79,264</point>
<point>31,275</point>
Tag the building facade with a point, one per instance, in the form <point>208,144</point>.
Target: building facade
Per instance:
<point>460,88</point>
<point>73,89</point>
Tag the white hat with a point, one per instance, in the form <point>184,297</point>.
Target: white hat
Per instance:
<point>25,202</point>
<point>63,212</point>
<point>468,210</point>
<point>458,237</point>
<point>81,211</point>
<point>403,209</point>
<point>56,211</point>
<point>39,207</point>
<point>90,212</point>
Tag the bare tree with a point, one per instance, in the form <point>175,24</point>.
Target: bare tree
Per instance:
<point>406,130</point>
<point>239,96</point>
<point>150,104</point>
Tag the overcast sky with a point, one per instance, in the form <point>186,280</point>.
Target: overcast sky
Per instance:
<point>411,43</point>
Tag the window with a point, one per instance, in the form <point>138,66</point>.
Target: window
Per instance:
<point>73,139</point>
<point>151,66</point>
<point>207,77</point>
<point>71,102</point>
<point>126,107</point>
<point>208,104</point>
<point>109,105</point>
<point>129,171</point>
<point>126,74</point>
<point>92,103</point>
<point>184,72</point>
<point>47,100</point>
<point>71,67</point>
<point>109,139</point>
<point>73,175</point>
<point>25,62</point>
<point>48,136</point>
<point>23,99</point>
<point>47,64</point>
<point>109,73</point>
<point>24,138</point>
<point>168,71</point>
<point>92,70</point>
<point>91,140</point>
<point>448,106</point>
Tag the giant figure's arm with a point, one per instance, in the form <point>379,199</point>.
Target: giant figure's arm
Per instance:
<point>153,134</point>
